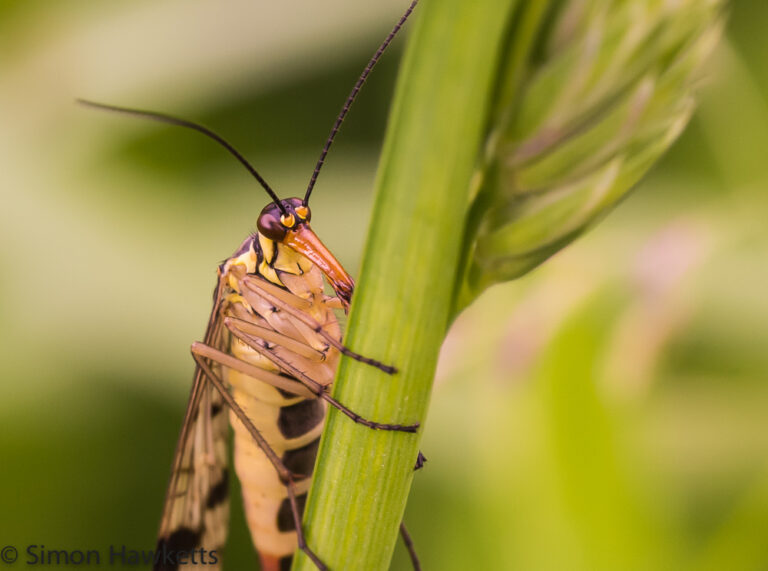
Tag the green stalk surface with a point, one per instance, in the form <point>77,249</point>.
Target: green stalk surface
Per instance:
<point>402,305</point>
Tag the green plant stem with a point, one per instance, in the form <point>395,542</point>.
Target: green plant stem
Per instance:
<point>401,308</point>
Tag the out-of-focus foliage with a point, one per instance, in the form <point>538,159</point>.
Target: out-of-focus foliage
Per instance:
<point>591,95</point>
<point>616,396</point>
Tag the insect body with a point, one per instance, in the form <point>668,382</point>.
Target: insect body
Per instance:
<point>274,340</point>
<point>273,327</point>
<point>269,355</point>
<point>291,424</point>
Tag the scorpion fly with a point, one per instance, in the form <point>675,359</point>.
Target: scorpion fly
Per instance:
<point>269,356</point>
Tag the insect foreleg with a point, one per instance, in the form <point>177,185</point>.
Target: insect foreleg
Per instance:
<point>312,384</point>
<point>333,302</point>
<point>257,287</point>
<point>273,336</point>
<point>275,292</point>
<point>284,473</point>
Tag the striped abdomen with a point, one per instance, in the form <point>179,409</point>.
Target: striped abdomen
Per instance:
<point>290,424</point>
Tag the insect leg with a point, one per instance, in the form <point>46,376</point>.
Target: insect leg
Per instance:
<point>409,545</point>
<point>227,360</point>
<point>302,388</point>
<point>333,302</point>
<point>420,460</point>
<point>272,336</point>
<point>301,376</point>
<point>258,287</point>
<point>302,542</point>
<point>284,473</point>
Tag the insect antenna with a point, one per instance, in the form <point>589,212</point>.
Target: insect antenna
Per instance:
<point>163,118</point>
<point>351,98</point>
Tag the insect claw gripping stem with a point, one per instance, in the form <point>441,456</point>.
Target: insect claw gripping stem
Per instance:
<point>369,423</point>
<point>344,350</point>
<point>388,369</point>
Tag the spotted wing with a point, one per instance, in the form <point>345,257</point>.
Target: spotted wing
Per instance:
<point>196,510</point>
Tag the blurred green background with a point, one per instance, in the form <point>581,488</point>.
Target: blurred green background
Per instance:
<point>608,411</point>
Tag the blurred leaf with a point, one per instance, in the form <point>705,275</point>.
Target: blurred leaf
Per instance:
<point>587,472</point>
<point>736,122</point>
<point>740,543</point>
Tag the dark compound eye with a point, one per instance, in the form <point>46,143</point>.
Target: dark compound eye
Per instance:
<point>293,203</point>
<point>302,211</point>
<point>269,223</point>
